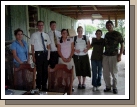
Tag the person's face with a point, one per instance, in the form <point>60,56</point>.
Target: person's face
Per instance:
<point>40,26</point>
<point>80,31</point>
<point>98,35</point>
<point>64,34</point>
<point>53,26</point>
<point>19,35</point>
<point>109,27</point>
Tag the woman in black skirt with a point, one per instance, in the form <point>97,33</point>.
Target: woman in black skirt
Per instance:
<point>81,58</point>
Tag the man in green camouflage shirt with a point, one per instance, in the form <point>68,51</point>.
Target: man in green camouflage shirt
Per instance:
<point>112,56</point>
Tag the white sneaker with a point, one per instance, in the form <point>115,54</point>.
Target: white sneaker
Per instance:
<point>94,88</point>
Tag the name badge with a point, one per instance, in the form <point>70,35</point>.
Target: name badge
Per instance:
<point>68,39</point>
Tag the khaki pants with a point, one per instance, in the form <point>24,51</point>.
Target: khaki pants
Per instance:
<point>110,66</point>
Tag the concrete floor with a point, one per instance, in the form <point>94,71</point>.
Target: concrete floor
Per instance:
<point>88,90</point>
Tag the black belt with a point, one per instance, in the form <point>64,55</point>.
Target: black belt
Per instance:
<point>37,52</point>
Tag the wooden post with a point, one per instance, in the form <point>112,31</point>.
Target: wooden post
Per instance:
<point>108,17</point>
<point>115,20</point>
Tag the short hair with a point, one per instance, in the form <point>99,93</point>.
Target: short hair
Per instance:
<point>52,22</point>
<point>64,30</point>
<point>79,27</point>
<point>17,30</point>
<point>109,21</point>
<point>99,31</point>
<point>39,22</point>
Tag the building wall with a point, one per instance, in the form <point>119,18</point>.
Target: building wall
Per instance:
<point>61,20</point>
<point>18,18</point>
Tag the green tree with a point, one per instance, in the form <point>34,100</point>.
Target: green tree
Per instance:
<point>89,29</point>
<point>120,27</point>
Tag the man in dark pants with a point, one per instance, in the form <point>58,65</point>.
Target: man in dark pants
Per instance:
<point>54,36</point>
<point>40,44</point>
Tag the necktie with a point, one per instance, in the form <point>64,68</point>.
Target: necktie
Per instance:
<point>55,40</point>
<point>43,42</point>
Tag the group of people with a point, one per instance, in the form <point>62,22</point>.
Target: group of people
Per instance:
<point>72,52</point>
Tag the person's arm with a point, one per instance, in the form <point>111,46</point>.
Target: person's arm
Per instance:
<point>121,41</point>
<point>16,57</point>
<point>91,45</point>
<point>88,47</point>
<point>59,52</point>
<point>121,52</point>
<point>72,52</point>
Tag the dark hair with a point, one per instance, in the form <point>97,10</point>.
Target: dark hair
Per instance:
<point>52,22</point>
<point>61,33</point>
<point>79,27</point>
<point>39,22</point>
<point>17,30</point>
<point>109,22</point>
<point>99,31</point>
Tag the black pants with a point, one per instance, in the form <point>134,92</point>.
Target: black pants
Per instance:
<point>42,69</point>
<point>54,57</point>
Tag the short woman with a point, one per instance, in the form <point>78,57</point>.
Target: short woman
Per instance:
<point>66,51</point>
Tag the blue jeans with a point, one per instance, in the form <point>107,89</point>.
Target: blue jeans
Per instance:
<point>96,72</point>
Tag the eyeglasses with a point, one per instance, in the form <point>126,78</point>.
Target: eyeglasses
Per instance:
<point>40,25</point>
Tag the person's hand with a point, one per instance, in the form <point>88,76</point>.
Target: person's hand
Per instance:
<point>85,50</point>
<point>34,60</point>
<point>21,62</point>
<point>64,59</point>
<point>78,51</point>
<point>69,59</point>
<point>119,58</point>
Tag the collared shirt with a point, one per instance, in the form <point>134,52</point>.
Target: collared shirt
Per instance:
<point>37,41</point>
<point>81,45</point>
<point>66,47</point>
<point>51,36</point>
<point>21,51</point>
<point>112,40</point>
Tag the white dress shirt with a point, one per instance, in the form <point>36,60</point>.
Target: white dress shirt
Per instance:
<point>80,44</point>
<point>51,36</point>
<point>37,41</point>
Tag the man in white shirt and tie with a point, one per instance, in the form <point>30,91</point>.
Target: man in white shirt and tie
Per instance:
<point>40,44</point>
<point>54,36</point>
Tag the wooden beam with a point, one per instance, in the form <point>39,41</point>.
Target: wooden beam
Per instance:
<point>94,7</point>
<point>104,17</point>
<point>108,17</point>
<point>120,15</point>
<point>90,13</point>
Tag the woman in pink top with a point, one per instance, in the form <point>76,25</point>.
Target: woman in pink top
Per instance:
<point>66,51</point>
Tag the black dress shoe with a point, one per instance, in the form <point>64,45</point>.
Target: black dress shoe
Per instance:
<point>72,89</point>
<point>44,89</point>
<point>107,90</point>
<point>79,86</point>
<point>83,86</point>
<point>115,91</point>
